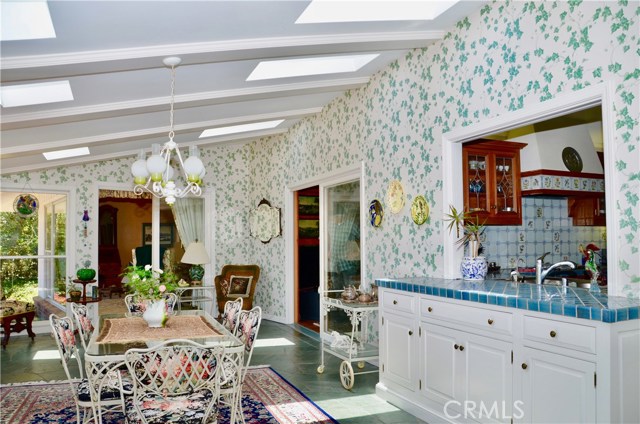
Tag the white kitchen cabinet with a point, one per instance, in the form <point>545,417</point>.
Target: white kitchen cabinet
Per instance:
<point>399,352</point>
<point>461,367</point>
<point>557,388</point>
<point>517,364</point>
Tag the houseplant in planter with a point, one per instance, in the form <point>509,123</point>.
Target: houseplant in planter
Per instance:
<point>151,285</point>
<point>473,266</point>
<point>74,290</point>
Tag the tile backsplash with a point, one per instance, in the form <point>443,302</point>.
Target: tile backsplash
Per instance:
<point>546,227</point>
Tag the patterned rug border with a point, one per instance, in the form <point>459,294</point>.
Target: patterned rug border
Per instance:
<point>305,396</point>
<point>327,418</point>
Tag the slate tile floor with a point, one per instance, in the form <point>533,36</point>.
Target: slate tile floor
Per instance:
<point>291,353</point>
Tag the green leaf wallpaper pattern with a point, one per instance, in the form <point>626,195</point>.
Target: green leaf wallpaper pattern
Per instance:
<point>507,56</point>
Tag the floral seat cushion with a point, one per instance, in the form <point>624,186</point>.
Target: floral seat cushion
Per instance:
<point>15,307</point>
<point>107,393</point>
<point>189,408</point>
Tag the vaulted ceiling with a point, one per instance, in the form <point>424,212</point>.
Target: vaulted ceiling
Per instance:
<point>112,52</point>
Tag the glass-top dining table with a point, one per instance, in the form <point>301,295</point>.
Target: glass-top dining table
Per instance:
<point>117,333</point>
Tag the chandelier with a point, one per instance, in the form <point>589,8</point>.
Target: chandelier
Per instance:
<point>156,174</point>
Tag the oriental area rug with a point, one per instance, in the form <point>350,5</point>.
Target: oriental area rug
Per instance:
<point>267,399</point>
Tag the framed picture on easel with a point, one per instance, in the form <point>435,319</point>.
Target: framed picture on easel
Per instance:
<point>166,234</point>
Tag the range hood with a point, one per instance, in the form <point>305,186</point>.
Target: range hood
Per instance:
<point>562,161</point>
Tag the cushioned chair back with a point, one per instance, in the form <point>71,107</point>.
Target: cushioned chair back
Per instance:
<point>83,323</point>
<point>226,289</point>
<point>230,315</point>
<point>247,331</point>
<point>174,368</point>
<point>63,333</point>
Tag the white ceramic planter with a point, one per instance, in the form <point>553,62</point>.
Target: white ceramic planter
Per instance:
<point>155,314</point>
<point>474,268</point>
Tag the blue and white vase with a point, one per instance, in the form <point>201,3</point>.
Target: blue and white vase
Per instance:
<point>474,268</point>
<point>155,314</point>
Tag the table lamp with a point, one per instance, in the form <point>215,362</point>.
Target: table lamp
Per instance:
<point>196,255</point>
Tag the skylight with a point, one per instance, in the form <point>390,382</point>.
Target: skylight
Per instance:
<point>309,66</point>
<point>67,153</point>
<point>26,20</point>
<point>35,94</point>
<point>323,11</point>
<point>233,129</point>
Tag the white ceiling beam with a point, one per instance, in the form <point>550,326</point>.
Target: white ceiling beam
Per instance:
<point>121,137</point>
<point>116,109</point>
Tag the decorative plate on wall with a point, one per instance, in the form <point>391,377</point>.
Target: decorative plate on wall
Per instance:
<point>395,196</point>
<point>419,210</point>
<point>376,213</point>
<point>572,159</point>
<point>26,205</point>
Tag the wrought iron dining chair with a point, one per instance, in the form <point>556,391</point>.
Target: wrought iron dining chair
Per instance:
<point>83,323</point>
<point>136,305</point>
<point>176,381</point>
<point>247,332</point>
<point>230,314</point>
<point>110,396</point>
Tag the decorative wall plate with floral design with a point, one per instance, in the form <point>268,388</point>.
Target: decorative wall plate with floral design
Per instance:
<point>419,210</point>
<point>376,213</point>
<point>395,196</point>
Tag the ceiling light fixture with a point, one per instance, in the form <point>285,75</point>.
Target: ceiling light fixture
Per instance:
<point>25,20</point>
<point>156,174</point>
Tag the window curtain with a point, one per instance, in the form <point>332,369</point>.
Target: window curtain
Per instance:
<point>189,216</point>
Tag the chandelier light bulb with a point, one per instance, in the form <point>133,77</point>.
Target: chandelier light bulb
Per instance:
<point>139,171</point>
<point>156,166</point>
<point>193,167</point>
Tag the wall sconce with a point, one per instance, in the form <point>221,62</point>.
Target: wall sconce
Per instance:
<point>86,219</point>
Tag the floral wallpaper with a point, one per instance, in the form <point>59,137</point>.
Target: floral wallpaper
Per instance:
<point>505,57</point>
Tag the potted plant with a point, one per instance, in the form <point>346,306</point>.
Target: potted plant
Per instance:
<point>74,290</point>
<point>150,286</point>
<point>473,266</point>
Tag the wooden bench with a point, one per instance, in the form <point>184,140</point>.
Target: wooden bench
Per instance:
<point>16,316</point>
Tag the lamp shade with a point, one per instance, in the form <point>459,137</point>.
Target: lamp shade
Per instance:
<point>196,254</point>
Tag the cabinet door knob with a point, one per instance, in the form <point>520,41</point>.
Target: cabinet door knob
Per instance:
<point>395,302</point>
<point>430,309</point>
<point>410,333</point>
<point>552,333</point>
<point>524,366</point>
<point>490,321</point>
<point>461,348</point>
<point>455,346</point>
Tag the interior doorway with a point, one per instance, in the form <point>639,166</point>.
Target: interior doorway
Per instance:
<point>307,257</point>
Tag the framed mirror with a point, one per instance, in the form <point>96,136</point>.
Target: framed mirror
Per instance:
<point>264,221</point>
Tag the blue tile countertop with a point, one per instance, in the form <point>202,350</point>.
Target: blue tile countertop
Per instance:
<point>570,302</point>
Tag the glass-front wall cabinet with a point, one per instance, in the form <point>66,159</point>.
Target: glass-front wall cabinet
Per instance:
<point>491,181</point>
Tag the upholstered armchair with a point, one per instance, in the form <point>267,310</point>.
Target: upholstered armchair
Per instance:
<point>236,281</point>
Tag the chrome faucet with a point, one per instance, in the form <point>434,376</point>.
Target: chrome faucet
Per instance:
<point>541,274</point>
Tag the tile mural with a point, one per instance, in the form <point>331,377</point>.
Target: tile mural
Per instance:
<point>505,57</point>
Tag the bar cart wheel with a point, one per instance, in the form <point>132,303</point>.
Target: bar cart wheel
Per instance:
<point>346,375</point>
<point>320,369</point>
<point>360,364</point>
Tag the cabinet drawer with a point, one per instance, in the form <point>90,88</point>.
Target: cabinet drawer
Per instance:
<point>398,302</point>
<point>486,319</point>
<point>561,334</point>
